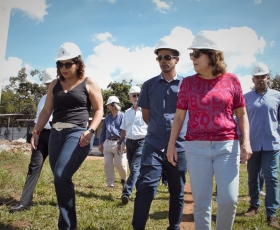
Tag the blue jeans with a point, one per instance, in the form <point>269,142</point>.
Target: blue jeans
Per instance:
<point>205,159</point>
<point>66,156</point>
<point>133,154</point>
<point>152,162</point>
<point>268,162</point>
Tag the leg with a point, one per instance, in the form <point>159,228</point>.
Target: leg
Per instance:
<point>109,164</point>
<point>66,156</point>
<point>200,167</point>
<point>226,170</point>
<point>270,167</point>
<point>120,161</point>
<point>176,178</point>
<point>261,180</point>
<point>134,152</point>
<point>254,168</point>
<point>146,185</point>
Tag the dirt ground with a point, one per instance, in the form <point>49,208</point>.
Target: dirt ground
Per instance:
<point>17,146</point>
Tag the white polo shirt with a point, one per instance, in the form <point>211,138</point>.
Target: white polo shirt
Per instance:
<point>133,124</point>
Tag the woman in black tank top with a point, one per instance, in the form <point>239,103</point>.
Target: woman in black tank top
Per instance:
<point>69,98</point>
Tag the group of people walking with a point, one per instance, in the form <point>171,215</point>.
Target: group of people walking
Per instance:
<point>175,124</point>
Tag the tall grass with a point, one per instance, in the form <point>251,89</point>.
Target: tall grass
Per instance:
<point>98,207</point>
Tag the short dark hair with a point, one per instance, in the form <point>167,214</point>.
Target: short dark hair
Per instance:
<point>80,71</point>
<point>217,62</point>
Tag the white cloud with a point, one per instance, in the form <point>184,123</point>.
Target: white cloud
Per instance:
<point>240,45</point>
<point>35,9</point>
<point>246,83</point>
<point>11,68</point>
<point>257,2</point>
<point>271,43</point>
<point>102,37</point>
<point>162,6</point>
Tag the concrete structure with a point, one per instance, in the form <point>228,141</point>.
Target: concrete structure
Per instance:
<point>5,11</point>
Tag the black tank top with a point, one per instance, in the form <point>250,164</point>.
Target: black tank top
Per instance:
<point>71,107</point>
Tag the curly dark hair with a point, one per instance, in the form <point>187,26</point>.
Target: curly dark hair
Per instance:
<point>80,71</point>
<point>217,63</point>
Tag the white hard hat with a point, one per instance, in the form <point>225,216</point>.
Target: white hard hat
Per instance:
<point>205,40</point>
<point>166,43</point>
<point>49,75</point>
<point>134,89</point>
<point>112,99</point>
<point>68,50</point>
<point>260,69</point>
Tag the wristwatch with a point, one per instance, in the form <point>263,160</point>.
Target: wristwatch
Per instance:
<point>91,130</point>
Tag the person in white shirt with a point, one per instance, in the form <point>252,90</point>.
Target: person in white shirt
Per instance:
<point>39,155</point>
<point>134,129</point>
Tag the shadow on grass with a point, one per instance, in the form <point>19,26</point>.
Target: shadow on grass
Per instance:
<point>6,226</point>
<point>159,215</point>
<point>93,195</point>
<point>7,201</point>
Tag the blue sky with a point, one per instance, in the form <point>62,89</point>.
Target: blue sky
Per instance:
<point>117,37</point>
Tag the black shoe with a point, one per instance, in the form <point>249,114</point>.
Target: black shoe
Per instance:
<point>19,207</point>
<point>125,199</point>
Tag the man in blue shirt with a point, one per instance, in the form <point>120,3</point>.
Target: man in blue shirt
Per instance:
<point>158,99</point>
<point>262,106</point>
<point>108,142</point>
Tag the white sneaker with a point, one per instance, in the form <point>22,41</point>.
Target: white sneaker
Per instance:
<point>262,193</point>
<point>111,186</point>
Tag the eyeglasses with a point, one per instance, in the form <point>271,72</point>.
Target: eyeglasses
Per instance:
<point>195,54</point>
<point>135,95</point>
<point>67,65</point>
<point>167,57</point>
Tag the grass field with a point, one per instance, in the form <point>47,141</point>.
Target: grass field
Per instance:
<point>98,207</point>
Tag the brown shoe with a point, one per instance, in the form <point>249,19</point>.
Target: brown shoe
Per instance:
<point>251,211</point>
<point>272,222</point>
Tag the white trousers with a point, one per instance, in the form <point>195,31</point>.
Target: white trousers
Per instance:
<point>111,159</point>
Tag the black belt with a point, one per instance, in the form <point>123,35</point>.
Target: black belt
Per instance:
<point>112,138</point>
<point>135,139</point>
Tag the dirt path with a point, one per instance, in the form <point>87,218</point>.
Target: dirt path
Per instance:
<point>188,220</point>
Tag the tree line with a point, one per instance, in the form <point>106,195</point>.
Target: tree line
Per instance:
<point>21,96</point>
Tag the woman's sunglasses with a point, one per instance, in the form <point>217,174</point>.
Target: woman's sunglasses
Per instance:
<point>167,57</point>
<point>67,65</point>
<point>197,53</point>
<point>135,95</point>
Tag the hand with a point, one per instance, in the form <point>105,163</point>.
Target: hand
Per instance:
<point>34,141</point>
<point>172,155</point>
<point>124,148</point>
<point>85,138</point>
<point>245,152</point>
<point>119,148</point>
<point>100,147</point>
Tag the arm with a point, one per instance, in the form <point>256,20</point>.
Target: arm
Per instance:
<point>121,139</point>
<point>175,130</point>
<point>44,116</point>
<point>96,101</point>
<point>146,115</point>
<point>243,124</point>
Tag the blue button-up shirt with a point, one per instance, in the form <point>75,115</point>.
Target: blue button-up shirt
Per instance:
<point>160,98</point>
<point>111,127</point>
<point>263,115</point>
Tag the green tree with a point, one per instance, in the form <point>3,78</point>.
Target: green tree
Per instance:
<point>275,82</point>
<point>21,96</point>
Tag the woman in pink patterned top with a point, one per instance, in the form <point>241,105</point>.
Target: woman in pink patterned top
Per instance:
<point>211,96</point>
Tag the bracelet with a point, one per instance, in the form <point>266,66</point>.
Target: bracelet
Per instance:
<point>119,143</point>
<point>36,131</point>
